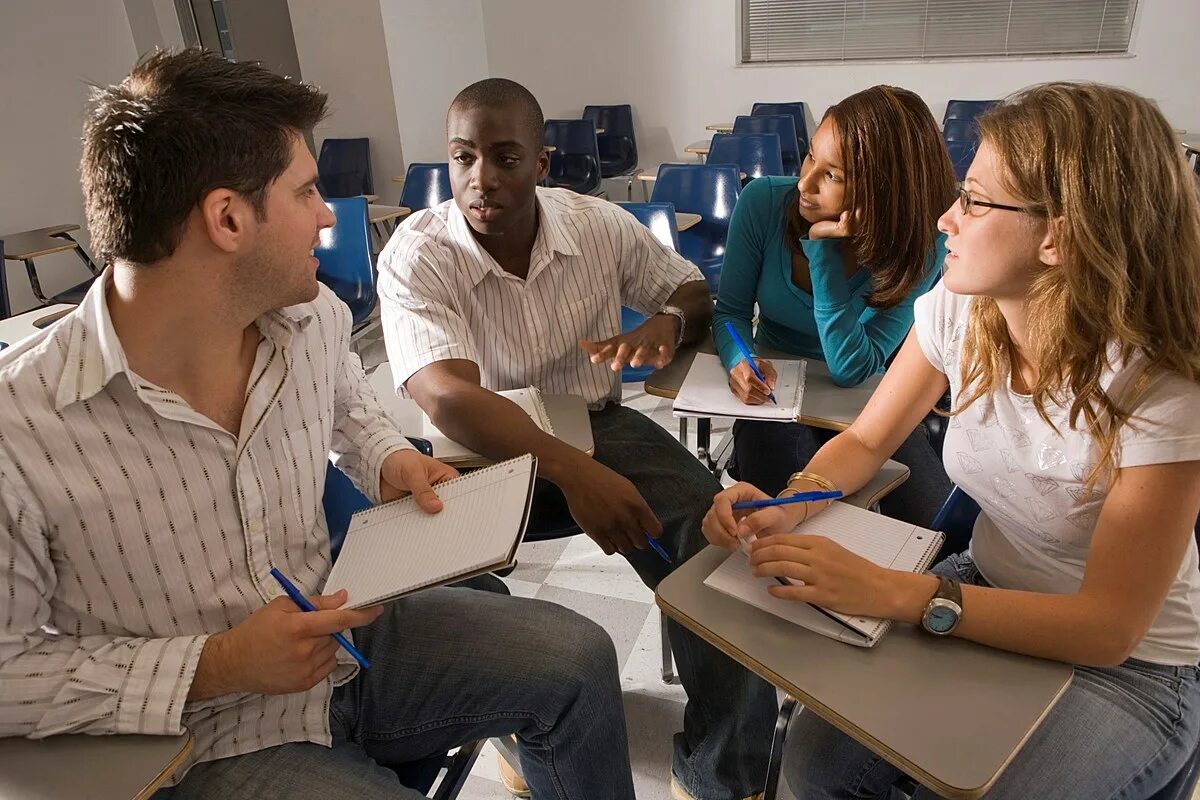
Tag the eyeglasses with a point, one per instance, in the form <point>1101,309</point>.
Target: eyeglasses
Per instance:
<point>966,202</point>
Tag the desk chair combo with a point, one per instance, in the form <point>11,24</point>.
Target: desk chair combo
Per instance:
<point>789,138</point>
<point>755,154</point>
<point>660,219</point>
<point>575,161</point>
<point>796,110</point>
<point>425,185</point>
<point>960,133</point>
<point>344,168</point>
<point>617,144</point>
<point>26,246</point>
<point>347,265</point>
<point>710,190</point>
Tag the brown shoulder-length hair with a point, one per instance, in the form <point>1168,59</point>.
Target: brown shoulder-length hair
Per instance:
<point>898,182</point>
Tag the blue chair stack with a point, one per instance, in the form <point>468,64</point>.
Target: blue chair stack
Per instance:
<point>796,111</point>
<point>344,167</point>
<point>617,145</point>
<point>782,124</point>
<point>346,264</point>
<point>575,162</point>
<point>756,154</point>
<point>710,190</point>
<point>660,219</point>
<point>426,185</point>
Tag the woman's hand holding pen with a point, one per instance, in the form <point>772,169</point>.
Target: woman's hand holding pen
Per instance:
<point>746,386</point>
<point>725,527</point>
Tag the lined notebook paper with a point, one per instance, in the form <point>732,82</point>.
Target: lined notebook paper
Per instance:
<point>887,542</point>
<point>394,549</point>
<point>705,392</point>
<point>412,421</point>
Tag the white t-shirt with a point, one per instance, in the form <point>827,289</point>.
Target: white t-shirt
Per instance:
<point>1037,517</point>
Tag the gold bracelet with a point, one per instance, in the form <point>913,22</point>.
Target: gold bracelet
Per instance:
<point>812,477</point>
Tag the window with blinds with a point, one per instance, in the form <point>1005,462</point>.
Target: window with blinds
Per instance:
<point>855,30</point>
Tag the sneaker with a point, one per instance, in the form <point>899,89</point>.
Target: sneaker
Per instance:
<point>515,784</point>
<point>680,793</point>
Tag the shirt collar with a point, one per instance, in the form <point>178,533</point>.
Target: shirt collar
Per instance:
<point>553,237</point>
<point>95,355</point>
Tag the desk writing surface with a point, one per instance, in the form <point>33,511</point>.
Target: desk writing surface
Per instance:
<point>825,404</point>
<point>949,712</point>
<point>94,767</point>
<point>20,326</point>
<point>36,243</point>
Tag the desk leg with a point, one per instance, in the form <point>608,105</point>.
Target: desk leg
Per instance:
<point>683,426</point>
<point>79,251</point>
<point>34,283</point>
<point>704,441</point>
<point>668,663</point>
<point>789,707</point>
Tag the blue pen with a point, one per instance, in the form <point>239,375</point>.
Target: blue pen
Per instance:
<point>658,548</point>
<point>737,340</point>
<point>302,601</point>
<point>799,497</point>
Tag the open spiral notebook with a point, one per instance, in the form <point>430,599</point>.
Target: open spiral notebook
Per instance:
<point>705,392</point>
<point>395,549</point>
<point>886,541</point>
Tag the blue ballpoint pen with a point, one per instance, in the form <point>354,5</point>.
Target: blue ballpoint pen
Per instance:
<point>799,497</point>
<point>658,548</point>
<point>737,340</point>
<point>302,601</point>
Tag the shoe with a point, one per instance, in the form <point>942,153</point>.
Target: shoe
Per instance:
<point>680,793</point>
<point>515,784</point>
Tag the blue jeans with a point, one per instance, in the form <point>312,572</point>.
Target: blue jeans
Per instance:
<point>766,453</point>
<point>723,750</point>
<point>450,666</point>
<point>1117,732</point>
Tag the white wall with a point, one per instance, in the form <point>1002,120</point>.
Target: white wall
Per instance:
<point>342,49</point>
<point>674,61</point>
<point>49,52</point>
<point>436,48</point>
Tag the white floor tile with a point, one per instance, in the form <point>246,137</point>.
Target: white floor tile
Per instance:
<point>584,567</point>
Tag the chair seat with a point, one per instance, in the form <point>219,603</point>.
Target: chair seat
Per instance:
<point>618,156</point>
<point>75,294</point>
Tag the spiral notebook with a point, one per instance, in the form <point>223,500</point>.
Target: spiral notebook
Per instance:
<point>886,541</point>
<point>395,549</point>
<point>705,392</point>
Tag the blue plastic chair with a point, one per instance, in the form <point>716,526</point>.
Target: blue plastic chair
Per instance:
<point>710,190</point>
<point>961,155</point>
<point>660,219</point>
<point>785,126</point>
<point>347,266</point>
<point>575,162</point>
<point>426,185</point>
<point>756,154</point>
<point>796,111</point>
<point>960,130</point>
<point>966,109</point>
<point>617,145</point>
<point>344,168</point>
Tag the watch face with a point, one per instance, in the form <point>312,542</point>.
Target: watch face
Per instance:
<point>941,619</point>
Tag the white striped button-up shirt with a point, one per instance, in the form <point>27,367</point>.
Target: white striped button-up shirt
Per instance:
<point>444,297</point>
<point>132,527</point>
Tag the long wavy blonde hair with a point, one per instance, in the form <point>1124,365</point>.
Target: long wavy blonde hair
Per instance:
<point>1103,166</point>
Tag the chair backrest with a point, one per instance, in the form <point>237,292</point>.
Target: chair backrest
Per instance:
<point>344,167</point>
<point>960,130</point>
<point>346,263</point>
<point>966,109</point>
<point>710,190</point>
<point>426,185</point>
<point>756,154</point>
<point>782,124</point>
<point>796,111</point>
<point>617,145</point>
<point>962,153</point>
<point>5,305</point>
<point>956,519</point>
<point>575,162</point>
<point>659,218</point>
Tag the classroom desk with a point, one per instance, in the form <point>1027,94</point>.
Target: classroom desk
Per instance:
<point>379,213</point>
<point>568,413</point>
<point>825,404</point>
<point>27,245</point>
<point>685,220</point>
<point>720,127</point>
<point>1190,144</point>
<point>893,697</point>
<point>95,767</point>
<point>20,326</point>
<point>699,149</point>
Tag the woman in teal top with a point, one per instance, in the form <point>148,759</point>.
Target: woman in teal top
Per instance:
<point>834,263</point>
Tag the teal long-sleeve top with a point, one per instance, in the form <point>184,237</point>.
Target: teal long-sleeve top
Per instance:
<point>834,323</point>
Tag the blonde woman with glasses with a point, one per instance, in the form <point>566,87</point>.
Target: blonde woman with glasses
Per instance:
<point>1067,328</point>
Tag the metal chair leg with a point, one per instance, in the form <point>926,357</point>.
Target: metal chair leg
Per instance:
<point>786,709</point>
<point>683,426</point>
<point>668,662</point>
<point>704,440</point>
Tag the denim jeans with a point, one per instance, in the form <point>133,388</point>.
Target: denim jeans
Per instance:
<point>449,666</point>
<point>766,453</point>
<point>723,750</point>
<point>1117,732</point>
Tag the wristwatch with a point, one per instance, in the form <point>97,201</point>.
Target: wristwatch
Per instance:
<point>944,609</point>
<point>675,311</point>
